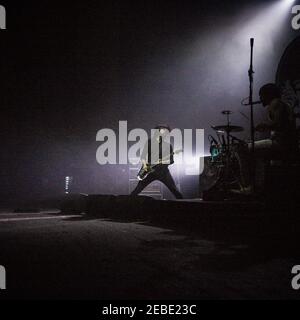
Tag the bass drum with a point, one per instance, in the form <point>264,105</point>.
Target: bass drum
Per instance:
<point>219,177</point>
<point>210,176</point>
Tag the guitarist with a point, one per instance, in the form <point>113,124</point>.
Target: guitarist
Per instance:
<point>163,155</point>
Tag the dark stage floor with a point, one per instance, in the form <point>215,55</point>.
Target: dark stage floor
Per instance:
<point>53,255</point>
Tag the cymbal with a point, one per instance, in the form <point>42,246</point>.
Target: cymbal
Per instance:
<point>229,128</point>
<point>227,112</point>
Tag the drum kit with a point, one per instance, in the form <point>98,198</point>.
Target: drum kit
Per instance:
<point>226,130</point>
<point>225,150</point>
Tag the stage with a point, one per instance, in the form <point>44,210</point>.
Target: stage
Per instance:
<point>140,248</point>
<point>214,218</point>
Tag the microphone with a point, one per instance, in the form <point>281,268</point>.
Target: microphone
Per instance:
<point>251,42</point>
<point>255,102</point>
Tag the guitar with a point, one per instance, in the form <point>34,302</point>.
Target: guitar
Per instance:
<point>145,171</point>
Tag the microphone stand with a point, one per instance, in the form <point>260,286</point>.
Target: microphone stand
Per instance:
<point>252,130</point>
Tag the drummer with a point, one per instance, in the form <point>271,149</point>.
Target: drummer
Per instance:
<point>282,141</point>
<point>281,124</point>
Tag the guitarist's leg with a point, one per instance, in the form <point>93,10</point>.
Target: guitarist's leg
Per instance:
<point>168,180</point>
<point>143,184</point>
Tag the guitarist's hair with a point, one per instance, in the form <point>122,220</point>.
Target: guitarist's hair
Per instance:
<point>163,126</point>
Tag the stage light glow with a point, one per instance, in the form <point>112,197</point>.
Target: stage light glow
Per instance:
<point>190,165</point>
<point>265,28</point>
<point>222,59</point>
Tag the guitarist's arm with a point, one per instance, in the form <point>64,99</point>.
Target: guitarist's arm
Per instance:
<point>168,160</point>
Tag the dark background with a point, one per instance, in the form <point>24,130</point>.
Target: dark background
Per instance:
<point>70,69</point>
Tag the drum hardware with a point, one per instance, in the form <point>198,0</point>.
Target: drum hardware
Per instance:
<point>227,128</point>
<point>224,153</point>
